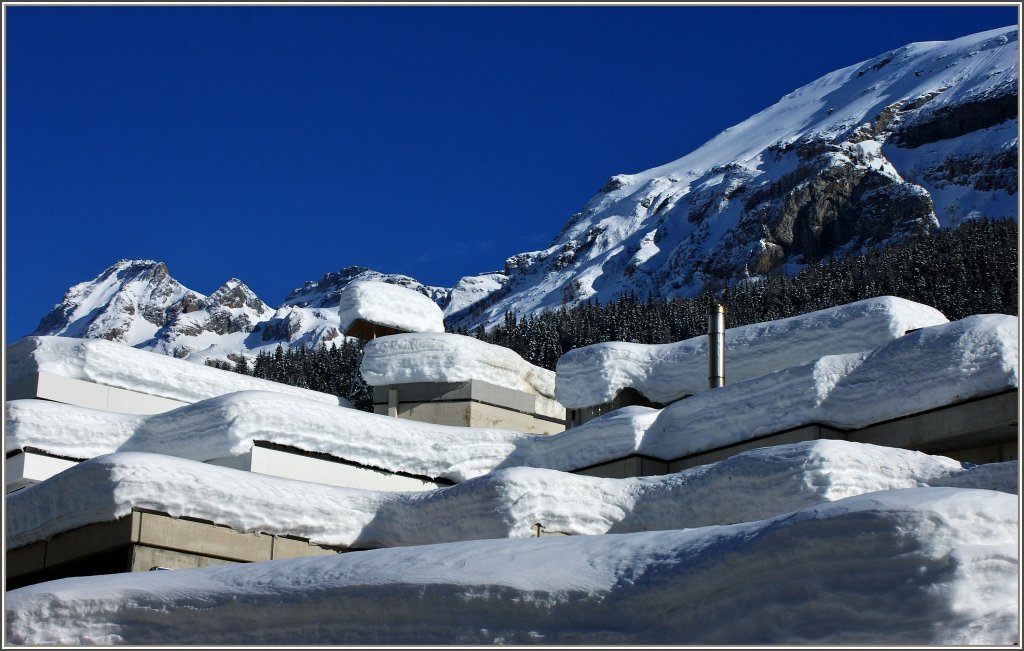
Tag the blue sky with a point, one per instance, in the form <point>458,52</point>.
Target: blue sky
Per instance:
<point>275,144</point>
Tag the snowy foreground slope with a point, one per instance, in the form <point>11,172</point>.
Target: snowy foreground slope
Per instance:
<point>914,566</point>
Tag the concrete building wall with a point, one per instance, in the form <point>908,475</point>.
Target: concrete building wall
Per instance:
<point>25,467</point>
<point>143,541</point>
<point>470,404</point>
<point>292,465</point>
<point>984,430</point>
<point>807,433</point>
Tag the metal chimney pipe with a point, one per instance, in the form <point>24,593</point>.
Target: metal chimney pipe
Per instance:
<point>716,345</point>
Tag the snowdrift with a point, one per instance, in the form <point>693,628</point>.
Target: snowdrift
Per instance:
<point>749,486</point>
<point>388,305</point>
<point>915,566</point>
<point>446,357</point>
<point>922,370</point>
<point>595,374</point>
<point>928,368</point>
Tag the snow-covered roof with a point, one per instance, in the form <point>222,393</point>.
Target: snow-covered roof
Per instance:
<point>228,426</point>
<point>388,305</point>
<point>922,370</point>
<point>912,566</point>
<point>594,374</point>
<point>929,368</point>
<point>446,357</point>
<point>749,486</point>
<point>117,365</point>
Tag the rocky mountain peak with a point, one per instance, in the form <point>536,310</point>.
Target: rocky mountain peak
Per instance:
<point>236,295</point>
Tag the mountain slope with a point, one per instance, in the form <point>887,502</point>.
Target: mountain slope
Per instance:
<point>917,138</point>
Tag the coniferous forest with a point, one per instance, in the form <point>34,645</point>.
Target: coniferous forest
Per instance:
<point>968,270</point>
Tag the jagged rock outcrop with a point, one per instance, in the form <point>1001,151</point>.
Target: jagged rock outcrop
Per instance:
<point>127,303</point>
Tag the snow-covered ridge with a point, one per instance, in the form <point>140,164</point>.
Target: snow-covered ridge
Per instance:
<point>595,374</point>
<point>925,369</point>
<point>446,357</point>
<point>820,575</point>
<point>857,158</point>
<point>116,365</point>
<point>505,504</point>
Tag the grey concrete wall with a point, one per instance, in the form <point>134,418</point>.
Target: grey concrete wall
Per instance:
<point>470,404</point>
<point>981,423</point>
<point>150,540</point>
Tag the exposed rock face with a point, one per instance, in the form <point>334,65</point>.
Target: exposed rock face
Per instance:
<point>234,294</point>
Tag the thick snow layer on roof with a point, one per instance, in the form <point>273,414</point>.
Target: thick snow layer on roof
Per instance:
<point>929,368</point>
<point>507,503</point>
<point>922,370</point>
<point>914,566</point>
<point>124,367</point>
<point>446,357</point>
<point>593,375</point>
<point>228,425</point>
<point>388,305</point>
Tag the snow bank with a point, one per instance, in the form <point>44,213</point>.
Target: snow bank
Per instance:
<point>66,430</point>
<point>124,367</point>
<point>445,357</point>
<point>507,503</point>
<point>916,566</point>
<point>925,369</point>
<point>388,305</point>
<point>228,425</point>
<point>595,374</point>
<point>929,368</point>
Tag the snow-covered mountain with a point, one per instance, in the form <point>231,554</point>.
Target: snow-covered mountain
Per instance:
<point>138,303</point>
<point>918,138</point>
<point>921,137</point>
